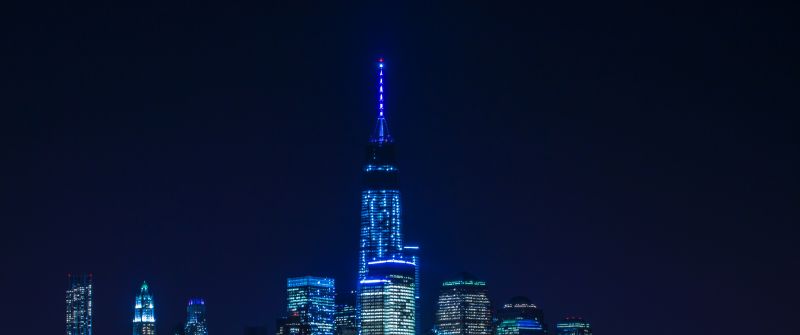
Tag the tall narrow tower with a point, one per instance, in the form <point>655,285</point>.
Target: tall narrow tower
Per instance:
<point>381,237</point>
<point>144,320</point>
<point>79,305</point>
<point>387,269</point>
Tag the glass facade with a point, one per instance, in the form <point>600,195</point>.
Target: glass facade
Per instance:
<point>313,299</point>
<point>292,325</point>
<point>144,321</point>
<point>520,317</point>
<point>345,320</point>
<point>573,326</point>
<point>463,307</point>
<point>196,318</point>
<point>388,306</point>
<point>79,305</point>
<point>381,237</point>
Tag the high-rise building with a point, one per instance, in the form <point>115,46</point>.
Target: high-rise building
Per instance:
<point>345,320</point>
<point>520,317</point>
<point>573,326</point>
<point>314,301</point>
<point>463,307</point>
<point>144,319</point>
<point>381,235</point>
<point>79,305</point>
<point>386,299</point>
<point>196,318</point>
<point>292,325</point>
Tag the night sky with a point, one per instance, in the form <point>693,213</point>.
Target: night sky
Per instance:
<point>633,164</point>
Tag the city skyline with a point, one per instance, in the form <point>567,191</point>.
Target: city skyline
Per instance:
<point>387,290</point>
<point>612,161</point>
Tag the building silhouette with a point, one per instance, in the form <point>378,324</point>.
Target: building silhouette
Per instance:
<point>381,238</point>
<point>345,320</point>
<point>520,317</point>
<point>144,320</point>
<point>573,326</point>
<point>463,307</point>
<point>79,305</point>
<point>292,325</point>
<point>180,329</point>
<point>196,318</point>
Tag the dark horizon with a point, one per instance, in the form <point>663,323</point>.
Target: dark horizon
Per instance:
<point>632,164</point>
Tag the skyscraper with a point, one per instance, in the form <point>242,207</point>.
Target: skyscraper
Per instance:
<point>381,235</point>
<point>345,320</point>
<point>387,299</point>
<point>520,317</point>
<point>144,320</point>
<point>79,305</point>
<point>292,325</point>
<point>314,301</point>
<point>573,326</point>
<point>463,307</point>
<point>196,318</point>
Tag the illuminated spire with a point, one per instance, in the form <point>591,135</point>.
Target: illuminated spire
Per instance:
<point>381,134</point>
<point>380,87</point>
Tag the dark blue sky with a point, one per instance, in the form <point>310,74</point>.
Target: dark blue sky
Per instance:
<point>632,164</point>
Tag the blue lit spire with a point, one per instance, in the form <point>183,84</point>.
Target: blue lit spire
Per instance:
<point>381,134</point>
<point>144,321</point>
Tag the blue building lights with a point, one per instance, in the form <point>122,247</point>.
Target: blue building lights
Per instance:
<point>381,239</point>
<point>79,305</point>
<point>196,318</point>
<point>463,307</point>
<point>313,301</point>
<point>520,317</point>
<point>386,299</point>
<point>144,320</point>
<point>573,326</point>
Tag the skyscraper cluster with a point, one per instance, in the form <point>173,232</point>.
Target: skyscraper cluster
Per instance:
<point>387,290</point>
<point>79,310</point>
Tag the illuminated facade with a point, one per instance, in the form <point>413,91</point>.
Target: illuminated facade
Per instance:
<point>144,320</point>
<point>463,307</point>
<point>520,317</point>
<point>314,301</point>
<point>292,325</point>
<point>381,236</point>
<point>573,326</point>
<point>345,320</point>
<point>79,305</point>
<point>196,318</point>
<point>386,299</point>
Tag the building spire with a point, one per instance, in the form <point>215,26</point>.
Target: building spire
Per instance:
<point>381,134</point>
